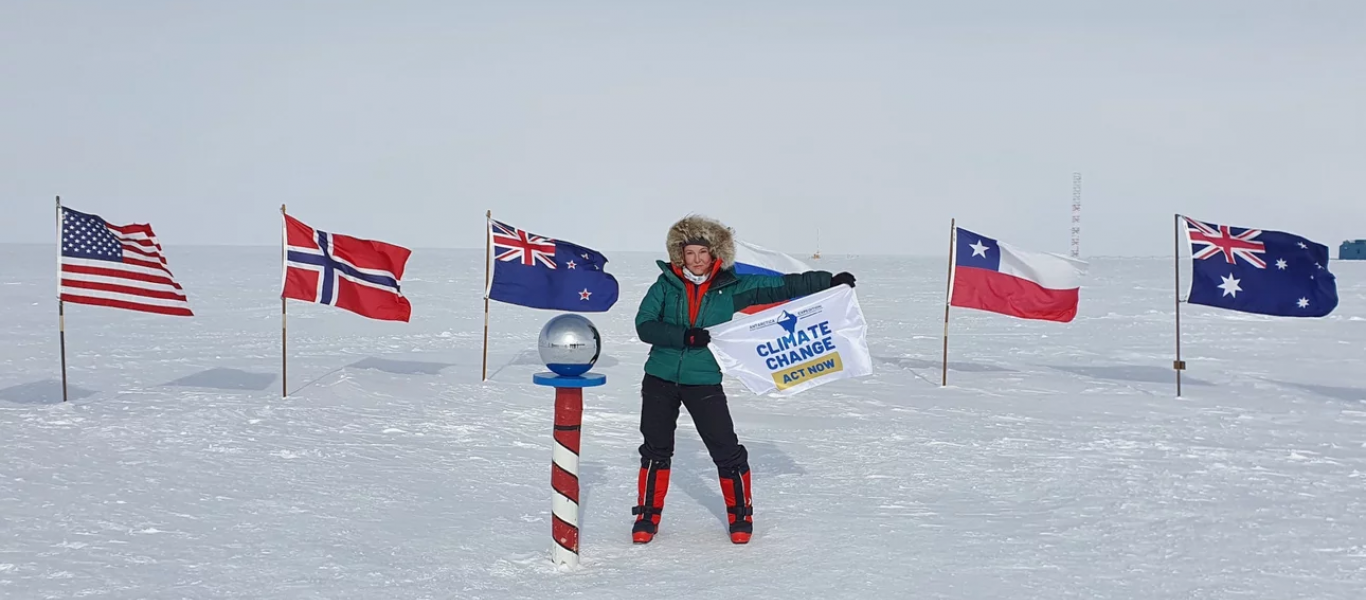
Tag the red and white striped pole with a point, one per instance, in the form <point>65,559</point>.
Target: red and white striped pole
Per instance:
<point>564,467</point>
<point>564,475</point>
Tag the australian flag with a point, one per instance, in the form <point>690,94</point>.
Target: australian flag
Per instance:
<point>1259,271</point>
<point>539,272</point>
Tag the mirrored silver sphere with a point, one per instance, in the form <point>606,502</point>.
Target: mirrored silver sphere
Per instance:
<point>569,344</point>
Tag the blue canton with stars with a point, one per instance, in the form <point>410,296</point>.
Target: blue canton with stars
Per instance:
<point>1259,271</point>
<point>86,236</point>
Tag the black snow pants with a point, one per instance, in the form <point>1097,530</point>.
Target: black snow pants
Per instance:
<point>706,404</point>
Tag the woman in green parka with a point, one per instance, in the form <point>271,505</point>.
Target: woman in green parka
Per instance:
<point>699,288</point>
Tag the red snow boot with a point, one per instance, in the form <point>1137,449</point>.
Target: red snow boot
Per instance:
<point>739,504</point>
<point>654,484</point>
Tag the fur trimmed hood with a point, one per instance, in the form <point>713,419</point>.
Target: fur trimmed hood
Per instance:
<point>695,228</point>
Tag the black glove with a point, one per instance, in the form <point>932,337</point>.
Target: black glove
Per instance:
<point>696,337</point>
<point>842,278</point>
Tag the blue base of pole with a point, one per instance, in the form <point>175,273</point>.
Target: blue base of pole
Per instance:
<point>569,381</point>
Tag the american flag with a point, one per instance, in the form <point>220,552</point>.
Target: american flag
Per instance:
<point>118,266</point>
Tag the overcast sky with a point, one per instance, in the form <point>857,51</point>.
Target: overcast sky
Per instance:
<point>602,123</point>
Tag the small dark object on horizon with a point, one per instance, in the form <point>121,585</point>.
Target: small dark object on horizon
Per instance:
<point>1352,250</point>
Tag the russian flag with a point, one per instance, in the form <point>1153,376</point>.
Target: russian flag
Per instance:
<point>995,277</point>
<point>751,259</point>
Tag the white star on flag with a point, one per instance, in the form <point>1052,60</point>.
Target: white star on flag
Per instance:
<point>979,249</point>
<point>1303,303</point>
<point>1230,286</point>
<point>1281,264</point>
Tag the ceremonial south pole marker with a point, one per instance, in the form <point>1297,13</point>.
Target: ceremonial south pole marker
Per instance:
<point>569,346</point>
<point>564,468</point>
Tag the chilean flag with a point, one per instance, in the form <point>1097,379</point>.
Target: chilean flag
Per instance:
<point>995,277</point>
<point>751,259</point>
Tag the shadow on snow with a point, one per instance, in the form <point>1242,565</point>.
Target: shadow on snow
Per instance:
<point>236,379</point>
<point>591,475</point>
<point>1130,373</point>
<point>401,367</point>
<point>225,379</point>
<point>386,365</point>
<point>1330,391</point>
<point>920,363</point>
<point>694,473</point>
<point>47,391</point>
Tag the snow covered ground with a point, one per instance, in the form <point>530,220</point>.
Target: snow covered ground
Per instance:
<point>1057,464</point>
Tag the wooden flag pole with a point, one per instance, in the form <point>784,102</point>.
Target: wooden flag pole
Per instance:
<point>488,256</point>
<point>284,330</point>
<point>1179,365</point>
<point>61,306</point>
<point>948,299</point>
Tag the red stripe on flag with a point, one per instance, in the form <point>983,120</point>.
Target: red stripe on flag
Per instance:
<point>139,251</point>
<point>151,308</point>
<point>991,291</point>
<point>132,228</point>
<point>122,289</point>
<point>120,274</point>
<point>146,263</point>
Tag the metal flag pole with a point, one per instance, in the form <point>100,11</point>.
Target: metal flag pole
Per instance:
<point>61,306</point>
<point>488,256</point>
<point>284,330</point>
<point>1179,365</point>
<point>948,299</point>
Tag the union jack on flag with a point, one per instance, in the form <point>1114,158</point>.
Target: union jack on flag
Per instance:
<point>1219,240</point>
<point>511,244</point>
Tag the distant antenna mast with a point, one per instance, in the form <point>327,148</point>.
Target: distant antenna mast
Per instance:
<point>1076,215</point>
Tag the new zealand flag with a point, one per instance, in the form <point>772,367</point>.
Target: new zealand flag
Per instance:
<point>539,272</point>
<point>1259,271</point>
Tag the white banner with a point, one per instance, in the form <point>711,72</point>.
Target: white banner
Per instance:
<point>796,346</point>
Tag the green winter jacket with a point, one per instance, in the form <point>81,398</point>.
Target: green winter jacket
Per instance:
<point>663,316</point>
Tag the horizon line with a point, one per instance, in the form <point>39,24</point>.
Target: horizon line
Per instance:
<point>607,250</point>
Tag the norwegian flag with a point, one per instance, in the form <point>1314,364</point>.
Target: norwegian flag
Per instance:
<point>1219,240</point>
<point>354,274</point>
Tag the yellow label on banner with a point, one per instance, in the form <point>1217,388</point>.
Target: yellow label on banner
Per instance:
<point>812,369</point>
